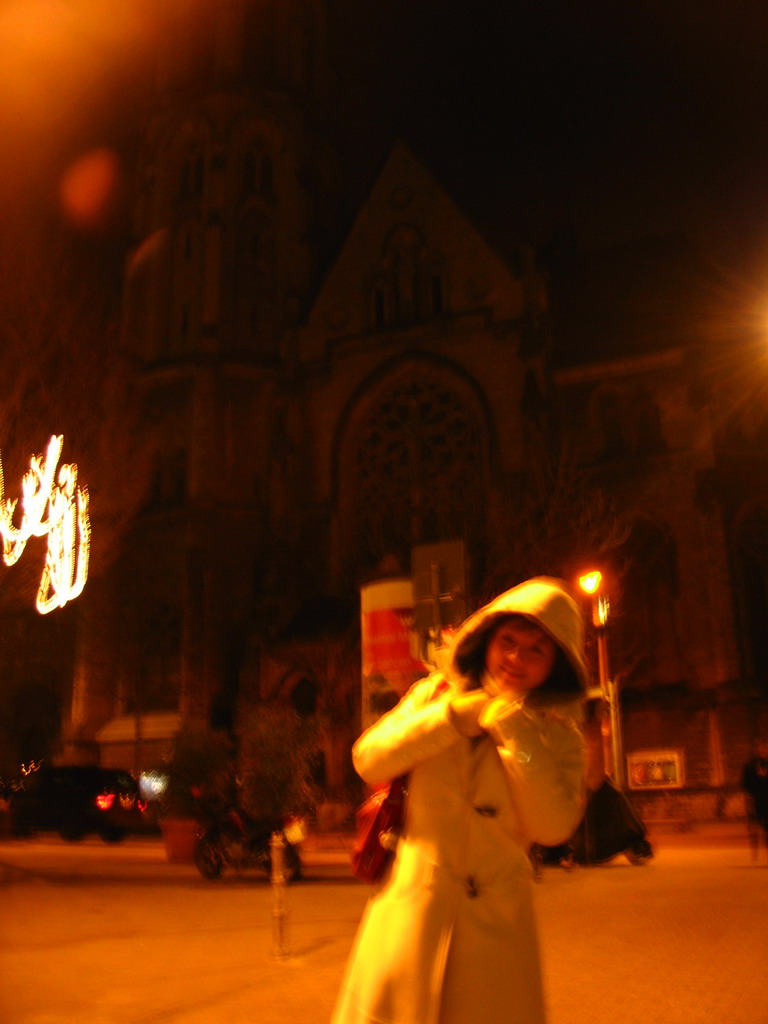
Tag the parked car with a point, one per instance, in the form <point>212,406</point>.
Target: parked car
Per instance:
<point>75,800</point>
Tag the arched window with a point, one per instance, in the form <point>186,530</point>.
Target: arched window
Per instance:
<point>255,291</point>
<point>191,176</point>
<point>627,422</point>
<point>436,292</point>
<point>169,478</point>
<point>181,160</point>
<point>249,177</point>
<point>186,286</point>
<point>256,171</point>
<point>409,281</point>
<point>417,470</point>
<point>647,638</point>
<point>265,175</point>
<point>379,305</point>
<point>646,422</point>
<point>611,424</point>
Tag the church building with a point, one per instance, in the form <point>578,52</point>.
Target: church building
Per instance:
<point>328,390</point>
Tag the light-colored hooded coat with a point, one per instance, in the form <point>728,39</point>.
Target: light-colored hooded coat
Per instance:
<point>450,936</point>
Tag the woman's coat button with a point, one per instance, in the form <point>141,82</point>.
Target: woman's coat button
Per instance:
<point>485,811</point>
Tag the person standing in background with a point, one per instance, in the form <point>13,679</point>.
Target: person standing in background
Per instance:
<point>754,782</point>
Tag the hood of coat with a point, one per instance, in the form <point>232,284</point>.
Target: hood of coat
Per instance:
<point>547,602</point>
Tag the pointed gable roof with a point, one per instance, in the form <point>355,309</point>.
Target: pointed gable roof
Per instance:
<point>406,201</point>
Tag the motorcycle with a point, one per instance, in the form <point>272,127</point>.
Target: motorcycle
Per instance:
<point>234,840</point>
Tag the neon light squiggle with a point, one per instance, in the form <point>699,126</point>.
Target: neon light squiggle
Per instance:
<point>59,510</point>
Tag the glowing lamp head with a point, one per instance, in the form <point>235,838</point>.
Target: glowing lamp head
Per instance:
<point>590,582</point>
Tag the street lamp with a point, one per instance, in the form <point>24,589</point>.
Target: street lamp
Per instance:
<point>592,583</point>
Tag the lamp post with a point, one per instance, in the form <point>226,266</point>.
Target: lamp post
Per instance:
<point>592,583</point>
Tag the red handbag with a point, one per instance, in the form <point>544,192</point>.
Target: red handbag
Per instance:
<point>378,820</point>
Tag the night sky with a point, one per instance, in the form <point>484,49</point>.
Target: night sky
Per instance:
<point>623,119</point>
<point>620,119</point>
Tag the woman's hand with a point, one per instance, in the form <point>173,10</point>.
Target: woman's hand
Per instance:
<point>465,712</point>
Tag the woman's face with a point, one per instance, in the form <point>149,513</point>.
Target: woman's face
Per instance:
<point>520,657</point>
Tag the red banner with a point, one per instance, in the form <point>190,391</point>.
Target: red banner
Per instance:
<point>386,642</point>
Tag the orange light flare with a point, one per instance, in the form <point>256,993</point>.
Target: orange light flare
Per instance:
<point>68,65</point>
<point>731,325</point>
<point>57,51</point>
<point>89,188</point>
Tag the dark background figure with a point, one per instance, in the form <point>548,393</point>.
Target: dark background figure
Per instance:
<point>754,782</point>
<point>610,827</point>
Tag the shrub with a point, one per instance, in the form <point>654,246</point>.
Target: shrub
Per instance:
<point>200,761</point>
<point>276,755</point>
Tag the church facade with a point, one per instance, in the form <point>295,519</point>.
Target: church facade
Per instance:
<point>323,396</point>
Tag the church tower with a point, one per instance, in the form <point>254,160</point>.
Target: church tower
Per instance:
<point>322,394</point>
<point>234,185</point>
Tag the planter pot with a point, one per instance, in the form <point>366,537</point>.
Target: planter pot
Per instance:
<point>180,838</point>
<point>332,814</point>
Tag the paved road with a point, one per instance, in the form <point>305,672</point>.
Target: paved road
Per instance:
<point>114,935</point>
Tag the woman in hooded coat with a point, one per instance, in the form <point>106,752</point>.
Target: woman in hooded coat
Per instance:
<point>495,761</point>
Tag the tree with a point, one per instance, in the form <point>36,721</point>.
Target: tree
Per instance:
<point>330,658</point>
<point>276,752</point>
<point>558,521</point>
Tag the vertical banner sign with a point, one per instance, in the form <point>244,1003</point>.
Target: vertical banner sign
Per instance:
<point>390,666</point>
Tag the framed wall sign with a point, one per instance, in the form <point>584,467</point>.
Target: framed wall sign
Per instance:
<point>655,769</point>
